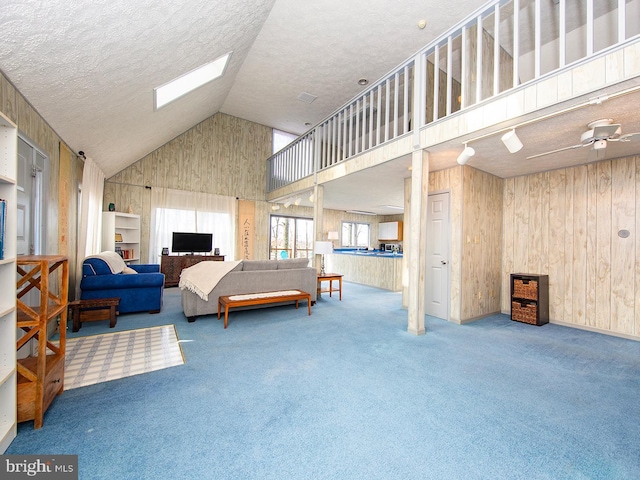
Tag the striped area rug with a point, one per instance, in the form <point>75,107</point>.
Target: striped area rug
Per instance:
<point>100,358</point>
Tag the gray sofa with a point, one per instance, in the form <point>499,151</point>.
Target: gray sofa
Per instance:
<point>254,276</point>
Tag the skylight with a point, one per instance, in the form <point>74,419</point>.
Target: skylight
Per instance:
<point>188,82</point>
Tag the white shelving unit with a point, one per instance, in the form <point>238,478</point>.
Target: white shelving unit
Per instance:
<point>124,226</point>
<point>8,373</point>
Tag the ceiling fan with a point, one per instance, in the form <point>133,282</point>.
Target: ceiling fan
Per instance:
<point>599,133</point>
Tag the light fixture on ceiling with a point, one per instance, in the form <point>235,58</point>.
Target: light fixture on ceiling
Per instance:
<point>422,23</point>
<point>307,124</point>
<point>297,201</point>
<point>361,212</point>
<point>188,82</point>
<point>275,207</point>
<point>288,203</point>
<point>363,81</point>
<point>323,248</point>
<point>466,154</point>
<point>511,141</point>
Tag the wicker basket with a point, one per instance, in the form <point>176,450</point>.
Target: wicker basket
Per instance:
<point>524,312</point>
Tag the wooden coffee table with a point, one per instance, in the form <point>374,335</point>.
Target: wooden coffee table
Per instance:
<point>330,277</point>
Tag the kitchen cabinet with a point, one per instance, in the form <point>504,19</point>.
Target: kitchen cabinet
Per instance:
<point>390,231</point>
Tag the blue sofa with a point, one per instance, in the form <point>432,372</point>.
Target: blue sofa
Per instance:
<point>141,292</point>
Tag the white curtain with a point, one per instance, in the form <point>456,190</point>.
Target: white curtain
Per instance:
<point>182,211</point>
<point>90,221</point>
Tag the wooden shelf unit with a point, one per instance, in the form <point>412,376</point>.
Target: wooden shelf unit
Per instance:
<point>8,367</point>
<point>172,265</point>
<point>530,298</point>
<point>41,376</point>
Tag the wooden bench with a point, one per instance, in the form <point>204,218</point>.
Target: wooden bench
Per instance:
<point>93,310</point>
<point>261,299</point>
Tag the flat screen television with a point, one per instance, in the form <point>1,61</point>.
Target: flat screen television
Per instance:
<point>183,242</point>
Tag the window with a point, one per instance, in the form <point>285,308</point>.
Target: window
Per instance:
<point>282,139</point>
<point>181,211</point>
<point>291,237</point>
<point>355,235</point>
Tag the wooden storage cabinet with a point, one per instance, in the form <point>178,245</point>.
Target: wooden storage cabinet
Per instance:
<point>8,314</point>
<point>530,298</point>
<point>172,265</point>
<point>41,376</point>
<point>121,233</point>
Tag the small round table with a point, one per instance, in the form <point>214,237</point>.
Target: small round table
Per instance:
<point>330,277</point>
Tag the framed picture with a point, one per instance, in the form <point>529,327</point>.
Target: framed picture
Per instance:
<point>118,237</point>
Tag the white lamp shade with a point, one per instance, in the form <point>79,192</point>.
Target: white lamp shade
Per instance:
<point>322,248</point>
<point>511,141</point>
<point>333,236</point>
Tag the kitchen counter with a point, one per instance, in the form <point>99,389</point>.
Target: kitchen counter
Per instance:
<point>373,253</point>
<point>367,267</point>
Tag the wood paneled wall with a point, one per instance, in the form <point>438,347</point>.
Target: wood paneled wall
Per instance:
<point>15,106</point>
<point>566,223</point>
<point>481,243</point>
<point>222,155</point>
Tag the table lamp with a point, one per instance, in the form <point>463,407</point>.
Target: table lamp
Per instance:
<point>322,248</point>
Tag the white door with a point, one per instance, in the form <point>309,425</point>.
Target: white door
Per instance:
<point>437,268</point>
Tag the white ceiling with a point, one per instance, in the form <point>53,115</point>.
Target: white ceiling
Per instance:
<point>89,67</point>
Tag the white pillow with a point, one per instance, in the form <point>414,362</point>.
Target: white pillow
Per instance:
<point>129,271</point>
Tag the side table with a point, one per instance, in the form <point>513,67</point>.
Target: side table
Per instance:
<point>330,277</point>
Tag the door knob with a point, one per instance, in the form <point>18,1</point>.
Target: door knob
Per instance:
<point>443,262</point>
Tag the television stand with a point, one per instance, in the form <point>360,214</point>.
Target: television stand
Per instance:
<point>172,265</point>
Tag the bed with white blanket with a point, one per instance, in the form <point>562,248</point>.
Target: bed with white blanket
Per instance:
<point>202,284</point>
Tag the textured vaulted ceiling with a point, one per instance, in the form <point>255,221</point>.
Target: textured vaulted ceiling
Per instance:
<point>90,66</point>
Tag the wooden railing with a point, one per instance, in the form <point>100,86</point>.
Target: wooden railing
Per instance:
<point>501,46</point>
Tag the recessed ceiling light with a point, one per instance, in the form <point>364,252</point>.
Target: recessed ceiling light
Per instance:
<point>363,81</point>
<point>307,124</point>
<point>188,82</point>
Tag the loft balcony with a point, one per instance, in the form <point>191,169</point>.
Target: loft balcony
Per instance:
<point>505,65</point>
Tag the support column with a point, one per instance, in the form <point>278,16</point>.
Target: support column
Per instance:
<point>318,221</point>
<point>418,240</point>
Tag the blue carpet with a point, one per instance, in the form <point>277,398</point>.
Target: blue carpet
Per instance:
<point>347,393</point>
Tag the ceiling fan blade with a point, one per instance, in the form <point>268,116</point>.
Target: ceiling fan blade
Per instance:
<point>630,137</point>
<point>605,131</point>
<point>559,150</point>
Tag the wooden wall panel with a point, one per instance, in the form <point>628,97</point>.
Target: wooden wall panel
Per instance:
<point>591,239</point>
<point>603,247</point>
<point>623,260</point>
<point>508,228</point>
<point>594,274</point>
<point>579,271</point>
<point>222,155</point>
